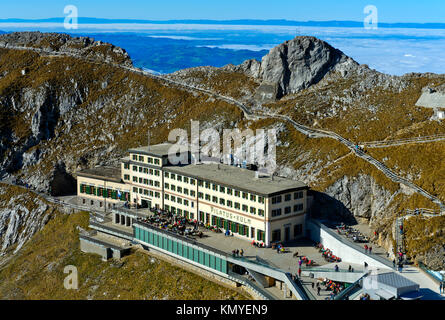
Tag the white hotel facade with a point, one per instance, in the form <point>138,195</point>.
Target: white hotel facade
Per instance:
<point>253,207</point>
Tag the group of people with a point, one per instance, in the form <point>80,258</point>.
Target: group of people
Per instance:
<point>280,248</point>
<point>238,253</point>
<point>330,285</point>
<point>174,223</point>
<point>258,244</point>
<point>368,249</point>
<point>327,254</point>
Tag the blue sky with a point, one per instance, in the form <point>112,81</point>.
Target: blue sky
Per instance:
<point>302,10</point>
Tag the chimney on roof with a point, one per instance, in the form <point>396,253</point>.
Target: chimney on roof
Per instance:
<point>257,174</point>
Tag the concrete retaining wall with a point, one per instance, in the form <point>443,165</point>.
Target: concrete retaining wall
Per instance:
<point>348,252</point>
<point>89,247</point>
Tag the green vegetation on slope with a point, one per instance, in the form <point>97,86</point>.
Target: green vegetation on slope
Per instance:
<point>37,271</point>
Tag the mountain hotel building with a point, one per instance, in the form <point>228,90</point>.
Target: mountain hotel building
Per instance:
<point>236,199</point>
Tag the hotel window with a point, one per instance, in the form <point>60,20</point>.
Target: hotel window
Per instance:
<point>146,192</point>
<point>157,195</point>
<point>166,196</point>
<point>135,189</point>
<point>166,185</point>
<point>179,189</point>
<point>186,191</point>
<point>192,182</point>
<point>229,203</point>
<point>207,184</point>
<point>186,180</point>
<point>179,200</point>
<point>222,189</point>
<point>215,199</point>
<point>245,208</point>
<point>126,166</point>
<point>288,197</point>
<point>237,193</point>
<point>214,187</point>
<point>157,161</point>
<point>150,160</point>
<point>135,179</point>
<point>200,195</point>
<point>166,174</point>
<point>261,212</point>
<point>157,184</point>
<point>140,180</point>
<point>245,195</point>
<point>237,205</point>
<point>173,198</point>
<point>173,176</point>
<point>298,207</point>
<point>252,210</point>
<point>141,169</point>
<point>135,157</point>
<point>151,194</point>
<point>135,168</point>
<point>179,178</point>
<point>146,170</point>
<point>222,201</point>
<point>141,191</point>
<point>141,158</point>
<point>276,212</point>
<point>229,191</point>
<point>287,210</point>
<point>145,181</point>
<point>252,197</point>
<point>298,195</point>
<point>207,197</point>
<point>260,235</point>
<point>127,177</point>
<point>173,187</point>
<point>261,199</point>
<point>151,171</point>
<point>192,193</point>
<point>276,200</point>
<point>186,203</point>
<point>200,183</point>
<point>167,207</point>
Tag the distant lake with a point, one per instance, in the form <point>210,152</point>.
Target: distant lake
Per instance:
<point>167,48</point>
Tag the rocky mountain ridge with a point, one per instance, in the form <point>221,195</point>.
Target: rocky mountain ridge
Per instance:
<point>65,114</point>
<point>82,47</point>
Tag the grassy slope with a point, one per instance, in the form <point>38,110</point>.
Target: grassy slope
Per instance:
<point>37,271</point>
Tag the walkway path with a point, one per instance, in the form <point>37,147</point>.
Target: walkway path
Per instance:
<point>399,142</point>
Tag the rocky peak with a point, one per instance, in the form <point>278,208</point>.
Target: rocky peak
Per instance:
<point>82,47</point>
<point>296,65</point>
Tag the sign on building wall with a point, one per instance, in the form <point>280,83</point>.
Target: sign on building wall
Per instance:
<point>231,216</point>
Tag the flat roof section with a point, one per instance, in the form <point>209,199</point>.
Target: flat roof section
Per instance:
<point>238,178</point>
<point>112,174</point>
<point>158,150</point>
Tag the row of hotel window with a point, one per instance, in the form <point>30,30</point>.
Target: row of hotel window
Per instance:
<point>297,208</point>
<point>105,193</point>
<point>153,172</point>
<point>146,192</point>
<point>287,197</point>
<point>150,160</point>
<point>214,199</point>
